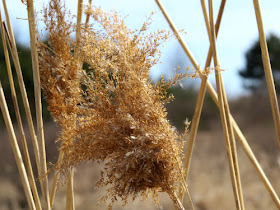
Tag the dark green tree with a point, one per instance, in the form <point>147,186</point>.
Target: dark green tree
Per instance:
<point>253,73</point>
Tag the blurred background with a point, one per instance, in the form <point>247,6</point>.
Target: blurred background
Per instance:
<point>240,56</point>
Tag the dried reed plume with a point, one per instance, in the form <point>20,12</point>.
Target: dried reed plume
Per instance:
<point>106,106</point>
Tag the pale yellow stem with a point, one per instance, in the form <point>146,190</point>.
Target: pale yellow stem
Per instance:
<point>19,121</point>
<point>78,29</point>
<point>199,104</point>
<point>243,142</point>
<point>267,71</point>
<point>70,181</point>
<point>12,45</point>
<point>176,201</point>
<point>87,16</point>
<point>225,113</point>
<point>237,131</point>
<point>206,18</point>
<point>38,103</point>
<point>16,151</point>
<point>56,178</point>
<point>70,203</point>
<point>222,107</point>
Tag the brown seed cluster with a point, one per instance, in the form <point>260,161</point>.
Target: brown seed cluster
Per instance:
<point>108,109</point>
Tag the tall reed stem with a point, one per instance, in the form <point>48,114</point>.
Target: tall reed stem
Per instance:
<point>199,102</point>
<point>244,144</point>
<point>19,121</point>
<point>78,29</point>
<point>267,71</point>
<point>16,151</point>
<point>14,53</point>
<point>70,203</point>
<point>70,187</point>
<point>38,103</point>
<point>223,108</point>
<point>241,138</point>
<point>56,178</point>
<point>87,15</point>
<point>230,141</point>
<point>177,203</point>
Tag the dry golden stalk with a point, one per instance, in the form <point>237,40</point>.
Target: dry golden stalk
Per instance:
<point>255,163</point>
<point>206,17</point>
<point>227,125</point>
<point>248,151</point>
<point>237,131</point>
<point>111,112</point>
<point>12,45</point>
<point>19,121</point>
<point>267,71</point>
<point>38,103</point>
<point>88,15</point>
<point>56,178</point>
<point>200,98</point>
<point>16,151</point>
<point>234,151</point>
<point>78,28</point>
<point>70,204</point>
<point>177,34</point>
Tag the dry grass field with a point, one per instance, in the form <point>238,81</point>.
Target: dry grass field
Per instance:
<point>209,180</point>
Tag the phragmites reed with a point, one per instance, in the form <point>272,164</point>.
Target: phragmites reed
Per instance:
<point>108,109</point>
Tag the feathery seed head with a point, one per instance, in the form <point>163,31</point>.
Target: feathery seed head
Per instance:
<point>108,109</point>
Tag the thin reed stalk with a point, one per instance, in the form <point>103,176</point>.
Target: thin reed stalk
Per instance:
<point>178,36</point>
<point>87,15</point>
<point>78,29</point>
<point>200,100</point>
<point>16,150</point>
<point>244,144</point>
<point>70,187</point>
<point>56,178</point>
<point>206,18</point>
<point>233,149</point>
<point>267,71</point>
<point>12,45</point>
<point>177,203</point>
<point>19,121</point>
<point>228,135</point>
<point>247,149</point>
<point>241,138</point>
<point>231,140</point>
<point>70,204</point>
<point>38,103</point>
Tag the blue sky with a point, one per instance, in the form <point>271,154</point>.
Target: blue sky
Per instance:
<point>238,30</point>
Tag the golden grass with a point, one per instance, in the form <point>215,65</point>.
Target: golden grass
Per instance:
<point>224,111</point>
<point>201,95</point>
<point>110,111</point>
<point>19,121</point>
<point>267,71</point>
<point>98,90</point>
<point>237,131</point>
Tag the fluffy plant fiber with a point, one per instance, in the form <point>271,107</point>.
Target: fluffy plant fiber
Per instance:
<point>105,104</point>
